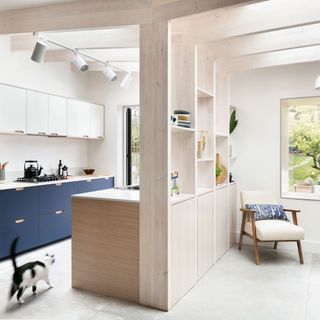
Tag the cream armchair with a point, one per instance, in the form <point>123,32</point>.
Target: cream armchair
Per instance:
<point>268,230</point>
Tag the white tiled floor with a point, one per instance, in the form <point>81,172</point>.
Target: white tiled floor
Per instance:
<point>235,288</point>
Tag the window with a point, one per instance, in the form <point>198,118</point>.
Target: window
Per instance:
<point>132,145</point>
<point>301,148</point>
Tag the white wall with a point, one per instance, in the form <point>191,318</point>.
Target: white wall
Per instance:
<point>56,78</point>
<point>256,141</point>
<point>106,156</point>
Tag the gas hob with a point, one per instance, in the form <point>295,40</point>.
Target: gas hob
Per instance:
<point>44,178</point>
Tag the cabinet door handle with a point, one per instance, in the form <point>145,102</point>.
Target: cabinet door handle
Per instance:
<point>100,137</point>
<point>53,134</point>
<point>18,131</point>
<point>19,221</point>
<point>59,212</point>
<point>19,189</point>
<point>89,180</point>
<point>41,133</point>
<point>58,184</point>
<point>85,136</point>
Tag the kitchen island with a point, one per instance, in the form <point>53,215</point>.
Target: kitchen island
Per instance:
<point>105,243</point>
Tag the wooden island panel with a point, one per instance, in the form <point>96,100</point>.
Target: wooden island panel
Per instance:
<point>105,247</point>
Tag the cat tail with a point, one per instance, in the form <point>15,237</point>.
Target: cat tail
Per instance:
<point>13,253</point>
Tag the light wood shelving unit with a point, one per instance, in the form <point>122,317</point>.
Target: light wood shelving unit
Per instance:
<point>200,214</point>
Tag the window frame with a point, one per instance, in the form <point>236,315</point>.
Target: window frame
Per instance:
<point>285,103</point>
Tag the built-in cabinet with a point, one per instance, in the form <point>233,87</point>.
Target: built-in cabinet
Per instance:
<point>78,125</point>
<point>13,110</point>
<point>232,213</point>
<point>97,121</point>
<point>37,113</point>
<point>205,232</point>
<point>57,116</point>
<point>183,248</point>
<point>222,222</point>
<point>31,112</point>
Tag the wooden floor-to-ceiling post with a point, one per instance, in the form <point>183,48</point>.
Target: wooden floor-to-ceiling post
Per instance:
<point>155,42</point>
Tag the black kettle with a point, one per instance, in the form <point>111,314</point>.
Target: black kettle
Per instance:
<point>33,170</point>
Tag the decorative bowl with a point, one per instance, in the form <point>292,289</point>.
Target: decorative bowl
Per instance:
<point>88,171</point>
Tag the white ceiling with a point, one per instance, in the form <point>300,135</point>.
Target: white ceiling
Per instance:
<point>18,4</point>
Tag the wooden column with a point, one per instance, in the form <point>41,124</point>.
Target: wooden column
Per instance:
<point>154,125</point>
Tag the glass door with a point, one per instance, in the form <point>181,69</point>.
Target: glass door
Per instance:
<point>132,145</point>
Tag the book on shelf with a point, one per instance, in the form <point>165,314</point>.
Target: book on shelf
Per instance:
<point>183,117</point>
<point>184,125</point>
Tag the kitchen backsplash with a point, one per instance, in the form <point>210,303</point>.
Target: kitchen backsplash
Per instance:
<point>48,151</point>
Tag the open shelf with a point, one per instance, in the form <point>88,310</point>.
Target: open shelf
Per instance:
<point>201,191</point>
<point>222,185</point>
<point>181,129</point>
<point>205,160</point>
<point>181,197</point>
<point>203,94</point>
<point>221,135</point>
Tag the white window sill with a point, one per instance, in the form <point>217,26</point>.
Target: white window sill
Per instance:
<point>301,195</point>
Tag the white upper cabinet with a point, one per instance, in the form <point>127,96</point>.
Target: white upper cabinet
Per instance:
<point>13,109</point>
<point>37,112</point>
<point>78,119</point>
<point>57,116</point>
<point>24,111</point>
<point>97,121</point>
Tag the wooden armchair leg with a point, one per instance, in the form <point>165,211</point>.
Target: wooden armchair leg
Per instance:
<point>242,231</point>
<point>275,245</point>
<point>300,252</point>
<point>256,250</point>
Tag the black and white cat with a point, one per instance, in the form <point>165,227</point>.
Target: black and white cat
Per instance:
<point>29,274</point>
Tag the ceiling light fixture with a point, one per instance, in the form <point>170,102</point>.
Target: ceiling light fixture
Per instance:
<point>39,50</point>
<point>79,62</point>
<point>317,83</point>
<point>127,80</point>
<point>109,73</point>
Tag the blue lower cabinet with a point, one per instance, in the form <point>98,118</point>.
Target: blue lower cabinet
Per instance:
<point>95,184</point>
<point>54,226</point>
<point>106,183</point>
<point>56,197</point>
<point>18,203</point>
<point>88,185</point>
<point>42,214</point>
<point>25,228</point>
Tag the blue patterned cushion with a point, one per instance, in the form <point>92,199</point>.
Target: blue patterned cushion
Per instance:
<point>267,211</point>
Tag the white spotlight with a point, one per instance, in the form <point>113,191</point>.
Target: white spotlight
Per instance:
<point>79,62</point>
<point>127,80</point>
<point>109,73</point>
<point>317,83</point>
<point>39,50</point>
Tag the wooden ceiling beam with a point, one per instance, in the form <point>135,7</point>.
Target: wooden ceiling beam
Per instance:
<point>233,22</point>
<point>279,40</point>
<point>177,9</point>
<point>91,14</point>
<point>272,59</point>
<point>114,38</point>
